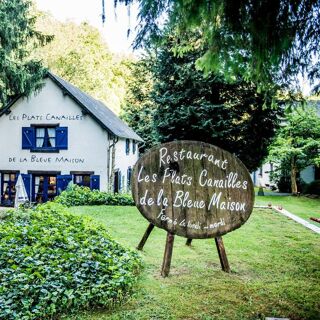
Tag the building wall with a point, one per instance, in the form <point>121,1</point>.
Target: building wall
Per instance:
<point>124,161</point>
<point>87,141</point>
<point>262,175</point>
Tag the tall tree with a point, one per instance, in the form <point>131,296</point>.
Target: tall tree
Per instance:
<point>298,143</point>
<point>264,41</point>
<point>20,73</point>
<point>139,107</point>
<point>80,55</point>
<point>191,106</point>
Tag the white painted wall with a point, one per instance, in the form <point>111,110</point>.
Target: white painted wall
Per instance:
<point>307,175</point>
<point>87,141</point>
<point>124,161</point>
<point>264,179</point>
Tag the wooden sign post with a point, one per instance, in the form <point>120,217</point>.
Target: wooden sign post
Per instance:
<point>194,190</point>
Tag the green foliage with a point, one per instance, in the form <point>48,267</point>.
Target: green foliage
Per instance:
<point>297,144</point>
<point>53,262</point>
<point>82,196</point>
<point>313,187</point>
<point>20,74</point>
<point>262,41</point>
<point>80,55</point>
<point>139,107</point>
<point>191,106</point>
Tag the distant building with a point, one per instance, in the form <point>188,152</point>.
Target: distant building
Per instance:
<point>261,177</point>
<point>61,134</point>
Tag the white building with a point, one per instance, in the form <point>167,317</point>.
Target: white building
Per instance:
<point>262,175</point>
<point>61,134</point>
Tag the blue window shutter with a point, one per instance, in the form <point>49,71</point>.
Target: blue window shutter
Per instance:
<point>62,182</point>
<point>27,183</point>
<point>28,137</point>
<point>62,138</point>
<point>95,182</point>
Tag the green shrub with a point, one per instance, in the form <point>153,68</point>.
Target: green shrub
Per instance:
<point>81,196</point>
<point>52,262</point>
<point>313,187</point>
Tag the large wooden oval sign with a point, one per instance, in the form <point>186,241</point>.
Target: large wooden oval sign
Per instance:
<point>192,189</point>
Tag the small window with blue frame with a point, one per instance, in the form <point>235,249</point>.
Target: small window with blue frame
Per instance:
<point>45,138</point>
<point>82,180</point>
<point>134,146</point>
<point>127,146</point>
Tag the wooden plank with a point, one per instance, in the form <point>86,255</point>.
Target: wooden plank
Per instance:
<point>167,255</point>
<point>297,219</point>
<point>222,254</point>
<point>145,236</point>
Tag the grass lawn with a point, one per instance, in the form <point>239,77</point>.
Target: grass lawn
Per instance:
<point>301,206</point>
<point>275,266</point>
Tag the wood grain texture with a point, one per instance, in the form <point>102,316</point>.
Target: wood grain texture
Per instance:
<point>222,254</point>
<point>167,255</point>
<point>192,189</point>
<point>145,236</point>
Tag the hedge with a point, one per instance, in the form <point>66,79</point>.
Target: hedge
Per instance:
<point>52,262</point>
<point>81,196</point>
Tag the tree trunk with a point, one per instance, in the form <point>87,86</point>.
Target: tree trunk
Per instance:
<point>294,187</point>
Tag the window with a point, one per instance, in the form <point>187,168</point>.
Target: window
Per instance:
<point>127,146</point>
<point>82,180</point>
<point>45,138</point>
<point>45,187</point>
<point>86,179</point>
<point>8,188</point>
<point>134,146</point>
<point>117,182</point>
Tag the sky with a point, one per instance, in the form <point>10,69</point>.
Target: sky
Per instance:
<point>115,28</point>
<point>116,25</point>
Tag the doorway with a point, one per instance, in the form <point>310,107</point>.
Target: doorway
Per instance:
<point>44,187</point>
<point>117,182</point>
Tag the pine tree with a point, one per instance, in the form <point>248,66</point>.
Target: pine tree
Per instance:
<point>139,107</point>
<point>20,73</point>
<point>191,106</point>
<point>264,41</point>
